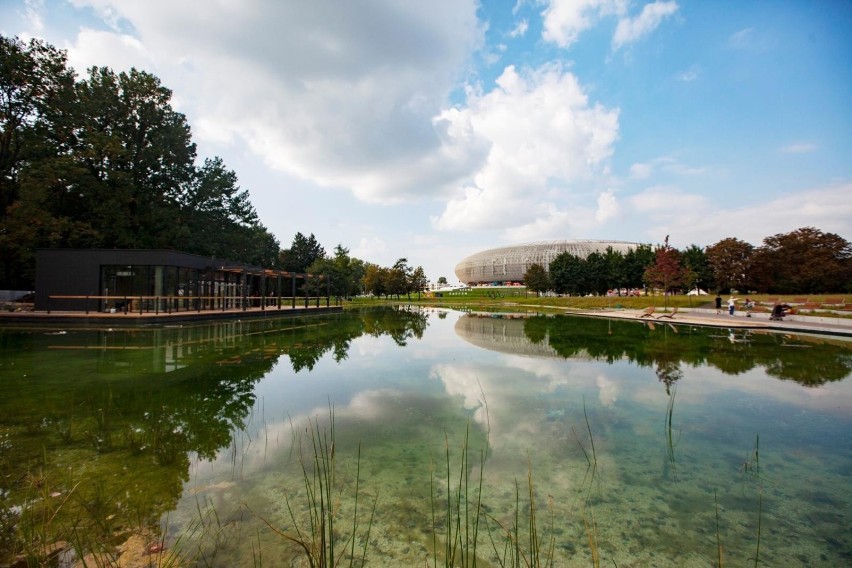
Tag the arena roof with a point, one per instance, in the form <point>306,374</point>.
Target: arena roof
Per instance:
<point>510,263</point>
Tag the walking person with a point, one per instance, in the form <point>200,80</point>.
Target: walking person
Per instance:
<point>732,304</point>
<point>718,304</point>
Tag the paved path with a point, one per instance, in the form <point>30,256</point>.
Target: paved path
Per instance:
<point>701,316</point>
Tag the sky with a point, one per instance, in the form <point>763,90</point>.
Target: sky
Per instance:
<point>434,130</point>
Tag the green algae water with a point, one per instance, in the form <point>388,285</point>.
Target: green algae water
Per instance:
<point>579,442</point>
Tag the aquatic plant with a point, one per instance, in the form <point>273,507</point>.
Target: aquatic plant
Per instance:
<point>321,541</point>
<point>670,443</point>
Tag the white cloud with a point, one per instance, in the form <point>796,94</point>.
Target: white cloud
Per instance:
<point>630,30</point>
<point>340,94</point>
<point>608,207</point>
<point>665,164</point>
<point>641,171</point>
<point>692,218</point>
<point>741,39</point>
<point>117,51</point>
<point>542,135</point>
<point>565,20</point>
<point>520,30</point>
<point>691,74</point>
<point>799,148</point>
<point>32,14</point>
<point>662,200</point>
<point>370,247</point>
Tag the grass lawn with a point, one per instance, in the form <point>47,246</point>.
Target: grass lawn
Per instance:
<point>519,298</point>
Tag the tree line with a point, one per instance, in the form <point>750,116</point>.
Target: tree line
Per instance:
<point>804,261</point>
<point>106,162</point>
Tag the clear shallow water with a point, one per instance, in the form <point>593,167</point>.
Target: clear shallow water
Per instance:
<point>647,445</point>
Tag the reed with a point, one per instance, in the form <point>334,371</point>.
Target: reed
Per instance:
<point>507,546</point>
<point>670,442</point>
<point>319,538</point>
<point>718,538</point>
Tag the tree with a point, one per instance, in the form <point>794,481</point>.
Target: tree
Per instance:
<point>36,93</point>
<point>597,273</point>
<point>616,267</point>
<point>666,273</point>
<point>346,273</point>
<point>136,156</point>
<point>537,279</point>
<point>635,264</point>
<point>106,162</point>
<point>805,261</point>
<point>730,261</point>
<point>442,281</point>
<point>217,218</point>
<point>399,279</point>
<point>375,279</point>
<point>418,282</point>
<point>34,77</point>
<point>302,253</point>
<point>698,269</point>
<point>568,274</point>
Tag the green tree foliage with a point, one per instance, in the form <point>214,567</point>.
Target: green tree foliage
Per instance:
<point>346,273</point>
<point>375,279</point>
<point>418,282</point>
<point>568,274</point>
<point>805,261</point>
<point>700,274</point>
<point>106,162</point>
<point>217,218</point>
<point>398,280</point>
<point>598,273</point>
<point>635,263</point>
<point>302,253</point>
<point>537,279</point>
<point>730,261</point>
<point>442,281</point>
<point>36,88</point>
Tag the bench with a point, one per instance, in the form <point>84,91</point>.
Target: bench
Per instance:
<point>671,315</point>
<point>647,312</point>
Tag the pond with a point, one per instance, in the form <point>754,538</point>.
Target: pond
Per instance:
<point>432,436</point>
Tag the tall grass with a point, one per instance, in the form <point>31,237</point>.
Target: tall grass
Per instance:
<point>670,442</point>
<point>515,542</point>
<point>320,539</point>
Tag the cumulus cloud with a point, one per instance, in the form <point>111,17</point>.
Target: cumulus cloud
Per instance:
<point>641,171</point>
<point>693,218</point>
<point>608,207</point>
<point>101,48</point>
<point>339,94</point>
<point>542,134</point>
<point>520,30</point>
<point>370,247</point>
<point>565,20</point>
<point>630,30</point>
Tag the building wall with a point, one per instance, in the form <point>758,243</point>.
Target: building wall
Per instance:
<point>77,272</point>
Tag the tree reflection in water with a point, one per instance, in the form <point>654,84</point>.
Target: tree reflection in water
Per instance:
<point>98,426</point>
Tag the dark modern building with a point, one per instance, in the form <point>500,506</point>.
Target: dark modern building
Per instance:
<point>137,279</point>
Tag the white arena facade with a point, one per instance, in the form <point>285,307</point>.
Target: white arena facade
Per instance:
<point>507,265</point>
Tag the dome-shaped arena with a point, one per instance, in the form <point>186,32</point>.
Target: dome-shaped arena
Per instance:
<point>509,264</point>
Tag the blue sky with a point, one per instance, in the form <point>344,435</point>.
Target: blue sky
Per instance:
<point>433,130</point>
